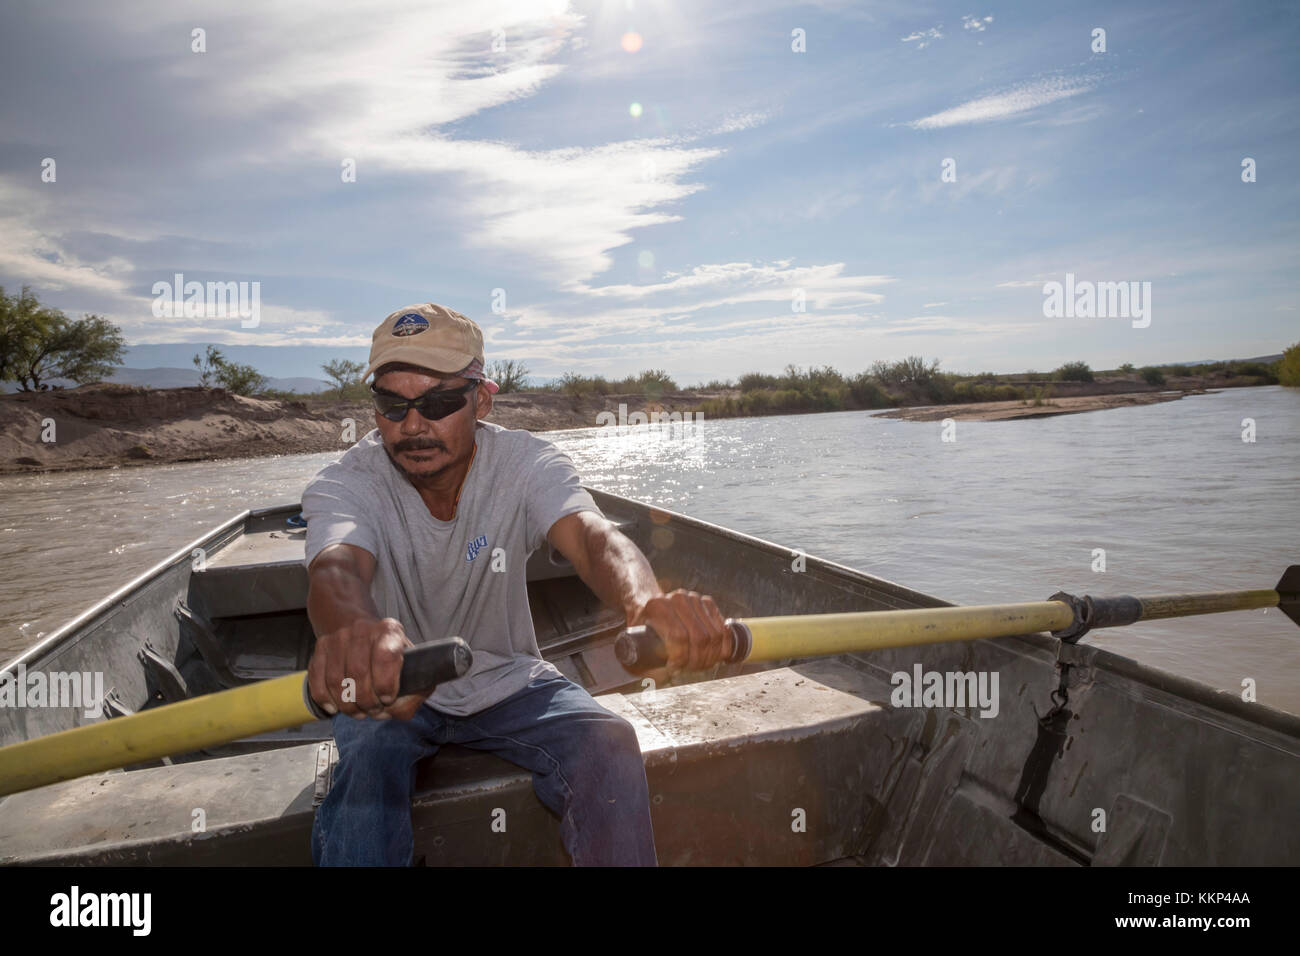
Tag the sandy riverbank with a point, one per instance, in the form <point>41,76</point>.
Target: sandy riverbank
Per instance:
<point>104,426</point>
<point>1009,411</point>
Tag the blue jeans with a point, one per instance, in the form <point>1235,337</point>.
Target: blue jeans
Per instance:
<point>586,765</point>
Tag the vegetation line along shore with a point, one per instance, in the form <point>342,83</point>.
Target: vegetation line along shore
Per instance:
<point>233,412</point>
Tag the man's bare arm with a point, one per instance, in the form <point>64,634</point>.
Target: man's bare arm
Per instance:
<point>353,641</point>
<point>338,589</point>
<point>607,560</point>
<point>693,629</point>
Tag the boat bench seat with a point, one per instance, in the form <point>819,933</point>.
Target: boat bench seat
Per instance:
<point>781,766</point>
<point>263,573</point>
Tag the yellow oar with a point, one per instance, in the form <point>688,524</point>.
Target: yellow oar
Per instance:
<point>641,650</point>
<point>200,722</point>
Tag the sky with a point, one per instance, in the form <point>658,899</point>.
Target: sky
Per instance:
<point>704,187</point>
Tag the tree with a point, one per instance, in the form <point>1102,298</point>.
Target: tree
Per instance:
<point>1153,376</point>
<point>39,343</point>
<point>911,370</point>
<point>239,379</point>
<point>510,375</point>
<point>1074,372</point>
<point>345,374</point>
<point>208,364</point>
<point>1288,366</point>
<point>1126,367</point>
<point>655,381</point>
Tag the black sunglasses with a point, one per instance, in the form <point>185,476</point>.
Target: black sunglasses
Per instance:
<point>434,404</point>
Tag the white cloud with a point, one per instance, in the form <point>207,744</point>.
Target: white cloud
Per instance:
<point>950,325</point>
<point>823,285</point>
<point>382,83</point>
<point>1019,99</point>
<point>44,261</point>
<point>711,303</point>
<point>737,122</point>
<point>975,23</point>
<point>924,38</point>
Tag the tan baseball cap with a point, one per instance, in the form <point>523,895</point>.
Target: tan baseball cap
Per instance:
<point>431,336</point>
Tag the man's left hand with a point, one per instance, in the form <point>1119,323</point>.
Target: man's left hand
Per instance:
<point>693,629</point>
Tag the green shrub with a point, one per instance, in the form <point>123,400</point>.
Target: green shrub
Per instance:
<point>865,392</point>
<point>1255,370</point>
<point>1074,372</point>
<point>652,381</point>
<point>1153,376</point>
<point>1288,367</point>
<point>576,386</point>
<point>751,381</point>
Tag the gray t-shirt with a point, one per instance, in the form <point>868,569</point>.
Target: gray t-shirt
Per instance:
<point>437,577</point>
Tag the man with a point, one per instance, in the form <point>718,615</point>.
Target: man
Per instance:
<point>403,533</point>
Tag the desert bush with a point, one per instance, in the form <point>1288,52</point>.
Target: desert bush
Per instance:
<point>1074,372</point>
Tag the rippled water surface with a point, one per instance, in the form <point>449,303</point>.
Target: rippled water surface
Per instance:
<point>1009,511</point>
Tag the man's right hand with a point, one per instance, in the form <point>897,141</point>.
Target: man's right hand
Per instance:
<point>369,651</point>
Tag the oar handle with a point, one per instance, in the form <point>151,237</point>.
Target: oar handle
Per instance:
<point>641,649</point>
<point>424,667</point>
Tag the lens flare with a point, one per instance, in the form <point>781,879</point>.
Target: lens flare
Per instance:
<point>645,259</point>
<point>631,42</point>
<point>635,110</point>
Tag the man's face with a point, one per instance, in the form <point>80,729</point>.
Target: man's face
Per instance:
<point>421,448</point>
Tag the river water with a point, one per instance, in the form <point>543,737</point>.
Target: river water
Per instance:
<point>1009,511</point>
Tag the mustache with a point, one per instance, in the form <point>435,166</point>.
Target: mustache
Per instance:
<point>418,444</point>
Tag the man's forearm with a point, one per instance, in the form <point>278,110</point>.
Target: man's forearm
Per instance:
<point>336,598</point>
<point>618,573</point>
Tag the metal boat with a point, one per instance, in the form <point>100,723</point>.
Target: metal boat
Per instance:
<point>1088,758</point>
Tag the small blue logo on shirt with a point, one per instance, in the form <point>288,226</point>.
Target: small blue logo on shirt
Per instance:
<point>475,546</point>
<point>410,324</point>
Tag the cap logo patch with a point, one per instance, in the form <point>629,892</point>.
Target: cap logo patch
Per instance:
<point>412,323</point>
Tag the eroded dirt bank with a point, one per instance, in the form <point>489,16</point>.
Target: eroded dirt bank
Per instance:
<point>99,426</point>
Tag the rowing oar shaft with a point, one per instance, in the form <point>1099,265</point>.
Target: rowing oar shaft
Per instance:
<point>641,650</point>
<point>199,722</point>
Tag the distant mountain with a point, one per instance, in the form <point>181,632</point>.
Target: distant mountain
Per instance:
<point>309,386</point>
<point>156,377</point>
<point>1263,359</point>
<point>184,378</point>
